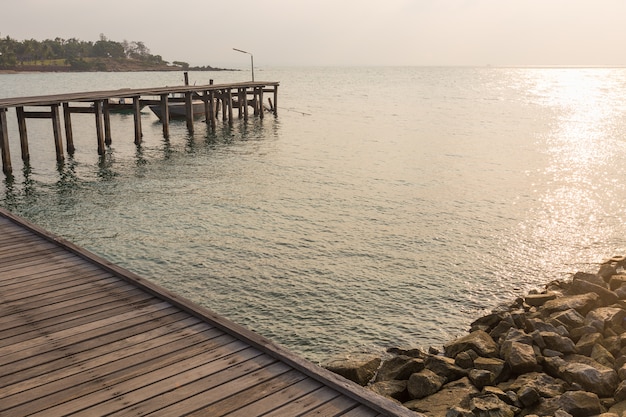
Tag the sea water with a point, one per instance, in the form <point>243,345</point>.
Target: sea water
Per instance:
<point>380,207</point>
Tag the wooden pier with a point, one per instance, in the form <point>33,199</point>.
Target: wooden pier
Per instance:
<point>82,336</point>
<point>226,97</point>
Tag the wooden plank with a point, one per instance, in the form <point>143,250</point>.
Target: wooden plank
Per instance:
<point>361,411</point>
<point>278,398</point>
<point>251,395</point>
<point>337,406</point>
<point>305,403</point>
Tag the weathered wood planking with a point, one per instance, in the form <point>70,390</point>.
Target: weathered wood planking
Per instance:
<point>82,336</point>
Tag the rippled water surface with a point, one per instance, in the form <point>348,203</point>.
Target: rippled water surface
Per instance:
<point>382,206</point>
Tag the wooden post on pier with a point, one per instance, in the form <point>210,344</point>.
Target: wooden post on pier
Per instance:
<point>229,103</point>
<point>4,143</point>
<point>211,118</point>
<point>69,136</point>
<point>189,110</point>
<point>275,99</point>
<point>165,115</point>
<point>245,103</point>
<point>107,122</point>
<point>97,106</point>
<point>261,112</point>
<point>137,118</point>
<point>21,125</point>
<point>56,130</point>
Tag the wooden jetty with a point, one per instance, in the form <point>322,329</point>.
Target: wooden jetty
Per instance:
<point>82,336</point>
<point>226,97</point>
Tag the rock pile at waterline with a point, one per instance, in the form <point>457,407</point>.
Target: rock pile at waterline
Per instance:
<point>560,352</point>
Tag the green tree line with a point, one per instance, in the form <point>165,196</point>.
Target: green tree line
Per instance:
<point>78,54</point>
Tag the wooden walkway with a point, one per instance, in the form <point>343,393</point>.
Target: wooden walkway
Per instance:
<point>81,336</point>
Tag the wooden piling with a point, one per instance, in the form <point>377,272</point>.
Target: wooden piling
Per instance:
<point>56,129</point>
<point>229,102</point>
<point>21,125</point>
<point>189,110</point>
<point>245,103</point>
<point>4,143</point>
<point>107,122</point>
<point>97,106</point>
<point>137,119</point>
<point>276,99</point>
<point>69,136</point>
<point>165,115</point>
<point>261,111</point>
<point>211,118</point>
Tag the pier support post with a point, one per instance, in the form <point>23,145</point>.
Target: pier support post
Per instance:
<point>189,111</point>
<point>261,111</point>
<point>245,103</point>
<point>275,99</point>
<point>56,130</point>
<point>165,115</point>
<point>69,136</point>
<point>21,125</point>
<point>224,105</point>
<point>229,103</point>
<point>4,143</point>
<point>137,119</point>
<point>211,118</point>
<point>97,106</point>
<point>107,122</point>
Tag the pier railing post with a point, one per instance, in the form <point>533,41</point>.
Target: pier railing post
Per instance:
<point>229,103</point>
<point>4,143</point>
<point>211,118</point>
<point>275,99</point>
<point>107,122</point>
<point>261,112</point>
<point>189,111</point>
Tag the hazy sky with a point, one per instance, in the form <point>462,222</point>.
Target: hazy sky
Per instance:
<point>339,32</point>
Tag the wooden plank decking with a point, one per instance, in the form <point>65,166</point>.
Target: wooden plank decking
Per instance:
<point>81,336</point>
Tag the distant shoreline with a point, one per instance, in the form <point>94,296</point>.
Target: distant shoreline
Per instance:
<point>28,69</point>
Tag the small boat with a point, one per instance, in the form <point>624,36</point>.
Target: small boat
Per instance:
<point>122,105</point>
<point>177,110</point>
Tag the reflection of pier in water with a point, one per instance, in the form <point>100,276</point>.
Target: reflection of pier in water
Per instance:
<point>216,98</point>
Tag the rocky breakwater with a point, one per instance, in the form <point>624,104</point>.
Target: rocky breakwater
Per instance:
<point>557,352</point>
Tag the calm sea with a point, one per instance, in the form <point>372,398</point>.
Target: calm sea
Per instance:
<point>381,207</point>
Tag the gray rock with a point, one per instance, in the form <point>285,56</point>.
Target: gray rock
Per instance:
<point>577,333</point>
<point>424,383</point>
<point>545,385</point>
<point>606,271</point>
<point>608,316</point>
<point>619,408</point>
<point>617,281</point>
<point>537,300</point>
<point>582,303</point>
<point>358,367</point>
<point>490,406</point>
<point>528,396</point>
<point>621,372</point>
<point>494,365</point>
<point>520,357</point>
<point>592,278</point>
<point>478,341</point>
<point>454,394</point>
<point>568,318</point>
<point>465,359</point>
<point>481,378</point>
<point>601,355</point>
<point>458,412</point>
<point>557,342</point>
<point>587,342</point>
<point>535,324</point>
<point>620,392</point>
<point>586,372</point>
<point>399,367</point>
<point>621,292</point>
<point>391,389</point>
<point>445,367</point>
<point>607,297</point>
<point>575,403</point>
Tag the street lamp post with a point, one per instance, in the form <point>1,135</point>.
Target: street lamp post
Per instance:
<point>251,60</point>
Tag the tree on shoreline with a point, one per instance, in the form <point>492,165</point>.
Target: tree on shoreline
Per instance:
<point>78,55</point>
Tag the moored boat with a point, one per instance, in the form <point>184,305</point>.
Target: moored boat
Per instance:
<point>177,110</point>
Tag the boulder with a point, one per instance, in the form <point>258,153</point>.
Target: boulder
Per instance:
<point>358,367</point>
<point>587,342</point>
<point>490,405</point>
<point>601,355</point>
<point>583,303</point>
<point>481,378</point>
<point>445,367</point>
<point>620,392</point>
<point>478,341</point>
<point>496,366</point>
<point>619,408</point>
<point>607,297</point>
<point>544,384</point>
<point>575,403</point>
<point>424,383</point>
<point>520,357</point>
<point>391,389</point>
<point>608,316</point>
<point>586,372</point>
<point>537,300</point>
<point>452,395</point>
<point>606,271</point>
<point>617,281</point>
<point>557,342</point>
<point>528,396</point>
<point>399,367</point>
<point>568,318</point>
<point>465,359</point>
